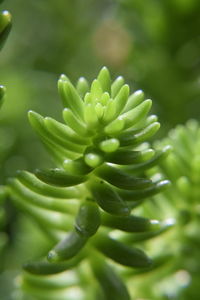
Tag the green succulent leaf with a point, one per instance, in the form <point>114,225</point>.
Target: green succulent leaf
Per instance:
<point>75,124</point>
<point>135,137</point>
<point>25,193</point>
<point>64,132</point>
<point>121,179</point>
<point>70,96</point>
<point>144,236</point>
<point>152,162</point>
<point>120,253</point>
<point>59,177</point>
<point>132,196</point>
<point>36,185</point>
<point>5,26</point>
<point>134,100</point>
<point>2,94</point>
<point>82,87</point>
<point>88,219</point>
<point>121,98</point>
<point>77,166</point>
<point>129,157</point>
<point>130,223</point>
<point>107,198</point>
<point>110,283</point>
<point>104,79</point>
<point>44,267</point>
<point>68,247</point>
<point>116,86</point>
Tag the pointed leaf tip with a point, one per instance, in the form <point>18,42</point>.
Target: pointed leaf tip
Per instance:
<point>116,86</point>
<point>7,14</point>
<point>2,88</point>
<point>164,183</point>
<point>63,77</point>
<point>104,68</point>
<point>82,86</point>
<point>104,79</point>
<point>2,92</point>
<point>32,114</point>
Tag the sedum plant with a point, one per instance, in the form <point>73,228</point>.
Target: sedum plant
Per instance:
<point>86,203</point>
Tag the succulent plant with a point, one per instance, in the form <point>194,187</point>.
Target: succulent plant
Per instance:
<point>101,156</point>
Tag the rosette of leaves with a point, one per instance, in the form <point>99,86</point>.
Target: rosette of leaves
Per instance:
<point>99,179</point>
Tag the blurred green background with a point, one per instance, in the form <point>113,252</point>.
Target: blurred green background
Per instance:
<point>154,44</point>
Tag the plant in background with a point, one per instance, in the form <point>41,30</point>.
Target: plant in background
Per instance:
<point>5,26</point>
<point>101,156</point>
<point>179,278</point>
<point>182,167</point>
<point>165,53</point>
<point>3,236</point>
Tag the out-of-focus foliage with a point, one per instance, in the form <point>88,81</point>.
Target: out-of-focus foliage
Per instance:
<point>165,59</point>
<point>179,277</point>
